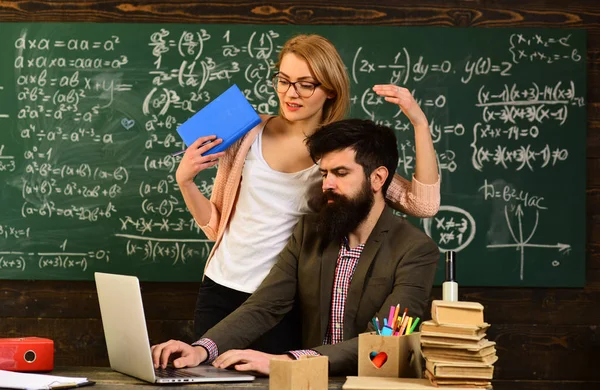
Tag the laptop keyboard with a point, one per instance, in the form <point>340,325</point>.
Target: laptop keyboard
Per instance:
<point>171,372</point>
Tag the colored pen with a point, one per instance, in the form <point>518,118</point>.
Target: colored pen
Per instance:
<point>397,327</point>
<point>390,322</point>
<point>68,385</point>
<point>374,322</point>
<point>377,326</point>
<point>409,325</point>
<point>404,315</point>
<point>414,325</point>
<point>404,322</point>
<point>396,312</point>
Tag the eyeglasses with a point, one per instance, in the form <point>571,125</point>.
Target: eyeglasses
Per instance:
<point>304,89</point>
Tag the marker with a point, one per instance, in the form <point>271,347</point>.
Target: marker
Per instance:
<point>414,325</point>
<point>390,321</point>
<point>374,322</point>
<point>404,322</point>
<point>386,331</point>
<point>409,325</point>
<point>404,315</point>
<point>450,287</point>
<point>396,312</point>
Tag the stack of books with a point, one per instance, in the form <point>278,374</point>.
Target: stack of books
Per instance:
<point>454,346</point>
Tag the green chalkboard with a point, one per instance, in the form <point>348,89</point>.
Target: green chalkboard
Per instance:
<point>88,114</point>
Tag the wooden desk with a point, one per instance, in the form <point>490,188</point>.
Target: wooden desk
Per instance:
<point>106,378</point>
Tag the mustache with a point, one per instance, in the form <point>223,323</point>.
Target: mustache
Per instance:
<point>330,195</point>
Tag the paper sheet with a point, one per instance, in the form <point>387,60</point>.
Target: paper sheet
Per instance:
<point>19,380</point>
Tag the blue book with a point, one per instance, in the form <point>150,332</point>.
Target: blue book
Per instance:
<point>229,117</point>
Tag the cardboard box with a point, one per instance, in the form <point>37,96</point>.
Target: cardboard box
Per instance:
<point>404,358</point>
<point>308,372</point>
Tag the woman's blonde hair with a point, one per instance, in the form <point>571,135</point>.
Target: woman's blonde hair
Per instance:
<point>327,67</point>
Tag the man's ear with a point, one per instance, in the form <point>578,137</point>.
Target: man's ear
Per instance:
<point>378,178</point>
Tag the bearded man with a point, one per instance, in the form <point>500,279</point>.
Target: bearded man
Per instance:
<point>342,266</point>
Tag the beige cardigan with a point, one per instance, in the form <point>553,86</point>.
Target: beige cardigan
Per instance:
<point>411,197</point>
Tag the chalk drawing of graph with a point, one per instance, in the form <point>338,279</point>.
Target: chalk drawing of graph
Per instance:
<point>520,243</point>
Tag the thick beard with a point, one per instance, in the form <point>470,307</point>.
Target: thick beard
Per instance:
<point>338,219</point>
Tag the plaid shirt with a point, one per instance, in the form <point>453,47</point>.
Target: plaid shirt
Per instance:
<point>344,270</point>
<point>346,264</point>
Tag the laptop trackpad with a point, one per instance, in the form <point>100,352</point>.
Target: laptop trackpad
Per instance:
<point>208,370</point>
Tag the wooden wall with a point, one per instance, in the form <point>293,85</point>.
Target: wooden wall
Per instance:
<point>547,338</point>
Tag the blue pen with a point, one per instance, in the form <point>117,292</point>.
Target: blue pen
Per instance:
<point>377,326</point>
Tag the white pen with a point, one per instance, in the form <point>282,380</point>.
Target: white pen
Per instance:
<point>180,152</point>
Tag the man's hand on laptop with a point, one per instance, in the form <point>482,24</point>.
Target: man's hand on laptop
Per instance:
<point>247,360</point>
<point>189,356</point>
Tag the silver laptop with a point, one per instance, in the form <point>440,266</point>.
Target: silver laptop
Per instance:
<point>127,337</point>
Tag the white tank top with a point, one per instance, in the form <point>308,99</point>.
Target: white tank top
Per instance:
<point>268,207</point>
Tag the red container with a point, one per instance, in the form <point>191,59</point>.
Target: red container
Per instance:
<point>26,354</point>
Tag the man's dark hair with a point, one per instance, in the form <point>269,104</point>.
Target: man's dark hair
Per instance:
<point>375,145</point>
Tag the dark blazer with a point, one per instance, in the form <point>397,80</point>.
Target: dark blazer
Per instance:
<point>397,265</point>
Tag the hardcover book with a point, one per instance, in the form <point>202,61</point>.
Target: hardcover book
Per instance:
<point>229,117</point>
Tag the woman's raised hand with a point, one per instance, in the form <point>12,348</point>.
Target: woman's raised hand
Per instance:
<point>403,98</point>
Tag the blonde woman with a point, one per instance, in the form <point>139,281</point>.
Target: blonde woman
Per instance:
<point>262,183</point>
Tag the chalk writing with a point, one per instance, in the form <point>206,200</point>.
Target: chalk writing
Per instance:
<point>89,116</point>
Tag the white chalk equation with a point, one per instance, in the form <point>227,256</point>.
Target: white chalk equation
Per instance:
<point>154,248</point>
<point>7,162</point>
<point>369,101</point>
<point>512,195</point>
<point>519,157</point>
<point>452,228</point>
<point>524,47</point>
<point>505,108</point>
<point>532,103</point>
<point>16,260</point>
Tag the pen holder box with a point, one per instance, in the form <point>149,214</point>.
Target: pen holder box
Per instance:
<point>308,372</point>
<point>397,356</point>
